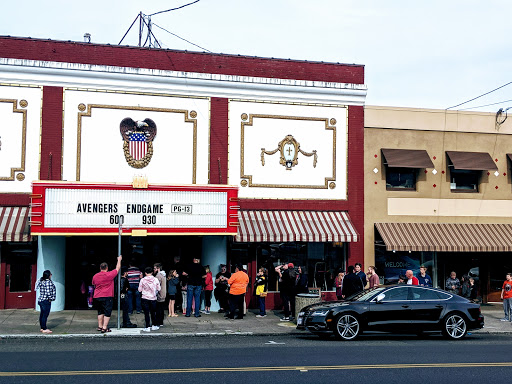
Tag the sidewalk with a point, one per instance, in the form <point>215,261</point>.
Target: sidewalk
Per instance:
<point>83,323</point>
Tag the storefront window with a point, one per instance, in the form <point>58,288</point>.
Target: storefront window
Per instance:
<point>320,261</point>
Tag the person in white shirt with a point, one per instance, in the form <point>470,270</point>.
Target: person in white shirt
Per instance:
<point>149,287</point>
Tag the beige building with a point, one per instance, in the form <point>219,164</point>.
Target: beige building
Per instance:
<point>438,193</point>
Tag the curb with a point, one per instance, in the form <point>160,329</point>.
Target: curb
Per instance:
<point>142,335</point>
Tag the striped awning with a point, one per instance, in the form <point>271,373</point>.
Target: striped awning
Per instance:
<point>14,224</point>
<point>285,226</point>
<point>446,237</point>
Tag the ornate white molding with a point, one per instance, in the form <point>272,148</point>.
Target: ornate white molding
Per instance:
<point>71,75</point>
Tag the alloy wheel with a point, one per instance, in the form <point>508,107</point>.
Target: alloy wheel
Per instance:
<point>347,327</point>
<point>455,327</point>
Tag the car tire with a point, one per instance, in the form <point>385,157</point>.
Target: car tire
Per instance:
<point>347,327</point>
<point>455,326</point>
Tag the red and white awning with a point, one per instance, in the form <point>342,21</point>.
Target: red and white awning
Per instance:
<point>14,224</point>
<point>286,226</point>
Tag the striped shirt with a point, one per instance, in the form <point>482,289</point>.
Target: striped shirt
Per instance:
<point>47,290</point>
<point>134,277</point>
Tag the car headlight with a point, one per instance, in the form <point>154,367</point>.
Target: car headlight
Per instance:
<point>301,314</point>
<point>321,312</point>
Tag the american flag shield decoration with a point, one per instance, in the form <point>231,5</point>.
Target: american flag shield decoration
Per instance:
<point>138,145</point>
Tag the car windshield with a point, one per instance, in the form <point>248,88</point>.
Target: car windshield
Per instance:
<point>366,294</point>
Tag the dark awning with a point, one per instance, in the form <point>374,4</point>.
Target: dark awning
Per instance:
<point>14,224</point>
<point>473,161</point>
<point>446,237</point>
<point>407,158</point>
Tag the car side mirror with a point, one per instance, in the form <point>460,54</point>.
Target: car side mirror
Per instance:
<point>380,297</point>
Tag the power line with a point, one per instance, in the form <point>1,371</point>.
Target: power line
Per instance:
<point>486,105</point>
<point>504,85</point>
<point>173,9</point>
<point>179,37</point>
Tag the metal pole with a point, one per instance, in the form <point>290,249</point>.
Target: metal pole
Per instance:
<point>119,278</point>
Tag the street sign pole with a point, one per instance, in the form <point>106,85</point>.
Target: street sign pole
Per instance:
<point>119,278</point>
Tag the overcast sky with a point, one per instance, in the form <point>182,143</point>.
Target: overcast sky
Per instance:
<point>429,54</point>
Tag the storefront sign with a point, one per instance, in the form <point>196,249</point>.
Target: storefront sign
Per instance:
<point>98,208</point>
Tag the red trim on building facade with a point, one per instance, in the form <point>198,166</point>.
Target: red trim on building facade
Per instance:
<point>14,199</point>
<point>218,140</point>
<point>51,137</point>
<point>136,57</point>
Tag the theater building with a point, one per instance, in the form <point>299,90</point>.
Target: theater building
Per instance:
<point>439,193</point>
<point>234,158</point>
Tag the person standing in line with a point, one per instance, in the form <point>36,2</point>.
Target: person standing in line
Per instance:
<point>452,284</point>
<point>221,288</point>
<point>287,279</point>
<point>358,270</point>
<point>125,287</point>
<point>173,282</point>
<point>506,296</point>
<point>261,290</point>
<point>134,276</point>
<point>424,279</point>
<point>465,287</point>
<point>196,275</point>
<point>47,294</point>
<point>411,279</point>
<point>302,280</point>
<point>373,278</point>
<point>160,299</point>
<point>208,289</point>
<point>178,266</point>
<point>149,288</point>
<point>238,287</point>
<point>351,283</point>
<point>338,283</point>
<point>103,283</point>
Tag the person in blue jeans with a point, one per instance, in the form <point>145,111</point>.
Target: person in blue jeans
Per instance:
<point>47,293</point>
<point>196,275</point>
<point>261,290</point>
<point>134,276</point>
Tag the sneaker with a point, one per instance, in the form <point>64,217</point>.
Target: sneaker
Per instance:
<point>198,316</point>
<point>261,316</point>
<point>138,312</point>
<point>504,319</point>
<point>207,313</point>
<point>146,329</point>
<point>284,319</point>
<point>155,328</point>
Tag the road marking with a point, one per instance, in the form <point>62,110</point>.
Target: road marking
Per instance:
<point>257,369</point>
<point>273,343</point>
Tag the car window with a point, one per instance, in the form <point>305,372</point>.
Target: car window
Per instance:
<point>396,294</point>
<point>442,295</point>
<point>423,294</point>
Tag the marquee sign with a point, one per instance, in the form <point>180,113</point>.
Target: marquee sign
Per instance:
<point>62,208</point>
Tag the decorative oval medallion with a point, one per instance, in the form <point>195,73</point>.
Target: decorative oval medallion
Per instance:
<point>81,107</point>
<point>332,121</point>
<point>20,177</point>
<point>244,116</point>
<point>332,185</point>
<point>243,183</point>
<point>193,114</point>
<point>23,103</point>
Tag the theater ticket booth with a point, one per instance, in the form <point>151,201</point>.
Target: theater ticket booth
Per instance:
<point>63,211</point>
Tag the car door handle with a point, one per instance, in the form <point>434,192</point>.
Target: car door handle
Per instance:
<point>405,306</point>
<point>439,306</point>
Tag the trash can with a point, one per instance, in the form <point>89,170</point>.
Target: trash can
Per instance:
<point>304,299</point>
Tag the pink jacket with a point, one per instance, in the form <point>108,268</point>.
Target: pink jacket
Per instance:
<point>149,286</point>
<point>208,282</point>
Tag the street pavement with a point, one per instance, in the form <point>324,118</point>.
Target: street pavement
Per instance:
<point>23,323</point>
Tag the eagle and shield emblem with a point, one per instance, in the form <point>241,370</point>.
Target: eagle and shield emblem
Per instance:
<point>138,139</point>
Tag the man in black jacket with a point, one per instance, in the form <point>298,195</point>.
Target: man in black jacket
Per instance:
<point>351,283</point>
<point>125,286</point>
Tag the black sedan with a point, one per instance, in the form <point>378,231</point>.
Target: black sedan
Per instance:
<point>397,308</point>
